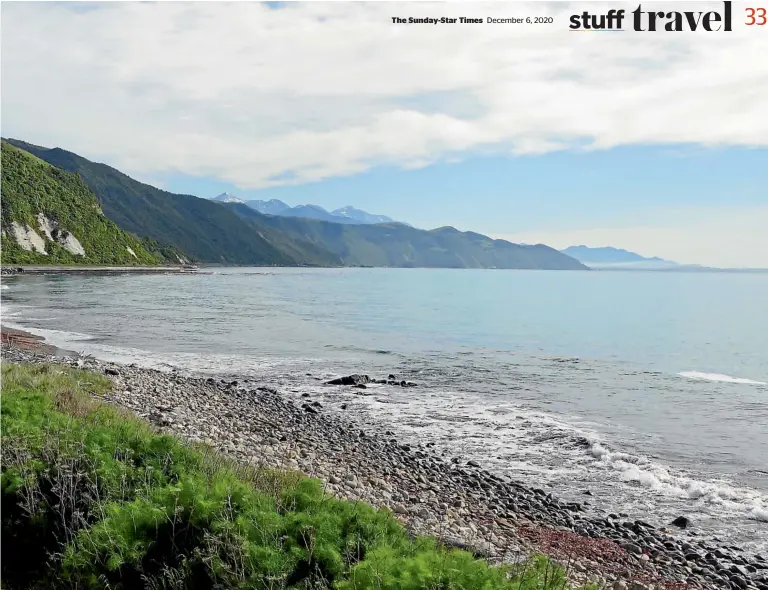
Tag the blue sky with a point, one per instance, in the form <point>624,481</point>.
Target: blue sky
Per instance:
<point>655,143</point>
<point>509,194</point>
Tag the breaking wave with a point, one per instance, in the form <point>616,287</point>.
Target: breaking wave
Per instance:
<point>718,378</point>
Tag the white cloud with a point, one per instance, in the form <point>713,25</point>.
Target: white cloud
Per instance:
<point>721,237</point>
<point>245,93</point>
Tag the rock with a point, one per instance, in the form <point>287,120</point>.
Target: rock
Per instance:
<point>350,380</point>
<point>631,548</point>
<point>681,522</point>
<point>360,386</point>
<point>109,371</point>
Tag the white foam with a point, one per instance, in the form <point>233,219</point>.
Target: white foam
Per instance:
<point>4,287</point>
<point>719,378</point>
<point>661,480</point>
<point>759,513</point>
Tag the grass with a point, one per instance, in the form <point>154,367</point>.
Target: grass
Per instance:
<point>94,498</point>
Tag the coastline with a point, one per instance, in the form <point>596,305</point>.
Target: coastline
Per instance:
<point>12,270</point>
<point>444,496</point>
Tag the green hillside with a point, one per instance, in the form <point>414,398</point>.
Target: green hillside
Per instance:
<point>203,229</point>
<point>45,209</point>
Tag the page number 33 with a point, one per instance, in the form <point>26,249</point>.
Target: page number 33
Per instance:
<point>756,16</point>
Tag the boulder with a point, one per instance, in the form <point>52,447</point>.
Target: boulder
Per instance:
<point>350,380</point>
<point>681,522</point>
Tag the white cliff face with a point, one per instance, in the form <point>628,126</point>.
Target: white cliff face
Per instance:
<point>27,238</point>
<point>52,230</point>
<point>131,252</point>
<point>48,226</point>
<point>70,243</point>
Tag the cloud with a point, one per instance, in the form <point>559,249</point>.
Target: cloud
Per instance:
<point>258,96</point>
<point>727,237</point>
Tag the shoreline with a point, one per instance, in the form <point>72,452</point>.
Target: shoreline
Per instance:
<point>12,270</point>
<point>455,500</point>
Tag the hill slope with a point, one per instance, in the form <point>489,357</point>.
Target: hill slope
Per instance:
<point>203,229</point>
<point>50,216</point>
<point>395,244</point>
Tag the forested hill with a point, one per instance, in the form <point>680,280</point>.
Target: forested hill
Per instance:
<point>50,216</point>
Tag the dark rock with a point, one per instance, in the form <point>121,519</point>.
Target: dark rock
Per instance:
<point>360,386</point>
<point>473,463</point>
<point>681,522</point>
<point>350,380</point>
<point>111,371</point>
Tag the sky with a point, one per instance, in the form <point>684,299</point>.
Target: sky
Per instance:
<point>656,143</point>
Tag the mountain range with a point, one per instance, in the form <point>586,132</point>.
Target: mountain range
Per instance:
<point>609,257</point>
<point>230,232</point>
<point>347,215</point>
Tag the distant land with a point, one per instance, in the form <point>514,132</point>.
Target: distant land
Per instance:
<point>610,258</point>
<point>347,215</point>
<point>226,231</point>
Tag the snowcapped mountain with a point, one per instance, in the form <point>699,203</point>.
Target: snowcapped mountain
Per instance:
<point>350,212</point>
<point>347,215</point>
<point>227,198</point>
<point>271,207</point>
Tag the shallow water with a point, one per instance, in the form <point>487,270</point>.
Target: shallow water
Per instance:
<point>647,389</point>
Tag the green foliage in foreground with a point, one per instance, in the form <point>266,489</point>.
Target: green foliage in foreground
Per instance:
<point>31,186</point>
<point>92,498</point>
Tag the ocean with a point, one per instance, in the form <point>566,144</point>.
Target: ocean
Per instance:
<point>643,393</point>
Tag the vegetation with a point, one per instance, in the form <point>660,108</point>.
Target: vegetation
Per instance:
<point>92,498</point>
<point>234,233</point>
<point>31,186</point>
<point>399,245</point>
<point>203,229</point>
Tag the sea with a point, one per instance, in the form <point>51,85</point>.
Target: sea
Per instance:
<point>643,393</point>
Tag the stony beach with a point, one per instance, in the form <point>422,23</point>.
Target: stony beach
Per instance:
<point>443,496</point>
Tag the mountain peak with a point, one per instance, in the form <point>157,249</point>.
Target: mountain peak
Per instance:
<point>227,198</point>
